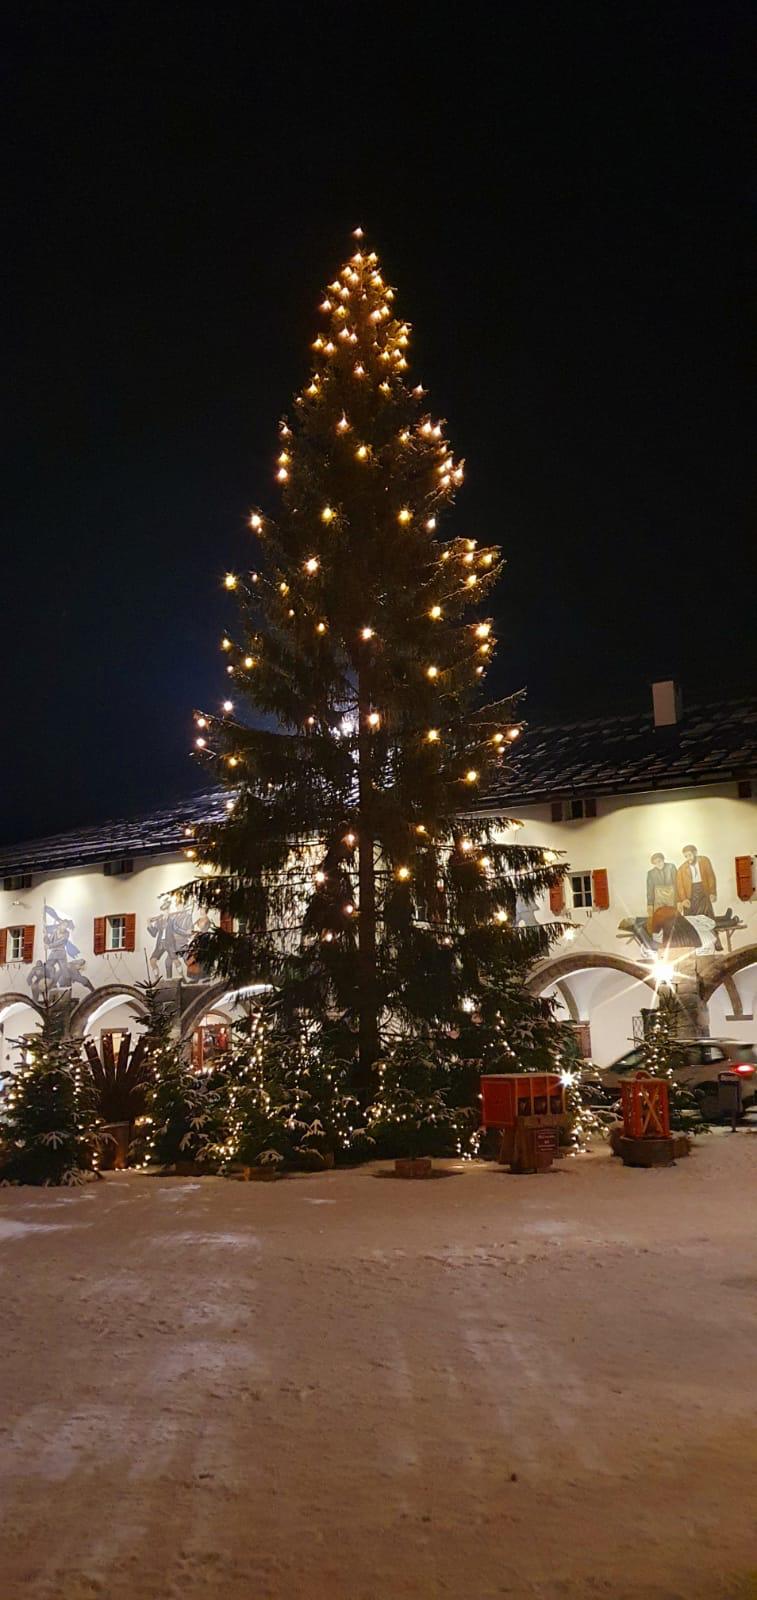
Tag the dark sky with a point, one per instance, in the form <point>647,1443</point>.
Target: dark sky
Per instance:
<point>562,196</point>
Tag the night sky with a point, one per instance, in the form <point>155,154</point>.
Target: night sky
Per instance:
<point>561,195</point>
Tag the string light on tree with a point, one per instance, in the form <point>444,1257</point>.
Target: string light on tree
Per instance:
<point>371,480</point>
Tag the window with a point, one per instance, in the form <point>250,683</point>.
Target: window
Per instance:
<point>19,880</point>
<point>117,869</point>
<point>573,810</point>
<point>580,883</point>
<point>117,932</point>
<point>713,1052</point>
<point>17,944</point>
<point>209,1041</point>
<point>115,938</point>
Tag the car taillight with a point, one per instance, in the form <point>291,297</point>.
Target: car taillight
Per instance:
<point>743,1068</point>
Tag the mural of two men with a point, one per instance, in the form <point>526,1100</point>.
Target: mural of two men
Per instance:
<point>690,888</point>
<point>681,906</point>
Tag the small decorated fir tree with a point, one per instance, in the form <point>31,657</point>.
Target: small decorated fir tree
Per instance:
<point>356,869</point>
<point>414,1112</point>
<point>664,1052</point>
<point>48,1119</point>
<point>181,1112</point>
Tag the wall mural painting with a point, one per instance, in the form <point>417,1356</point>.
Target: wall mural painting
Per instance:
<point>63,966</point>
<point>173,927</point>
<point>681,909</point>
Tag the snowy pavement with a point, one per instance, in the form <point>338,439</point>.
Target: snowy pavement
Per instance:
<point>346,1387</point>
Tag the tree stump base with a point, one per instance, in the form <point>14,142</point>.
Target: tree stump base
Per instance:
<point>413,1167</point>
<point>647,1152</point>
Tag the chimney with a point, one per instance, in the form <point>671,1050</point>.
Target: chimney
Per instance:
<point>667,705</point>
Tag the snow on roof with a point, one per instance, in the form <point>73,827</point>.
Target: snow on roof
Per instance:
<point>157,833</point>
<point>603,756</point>
<point>710,744</point>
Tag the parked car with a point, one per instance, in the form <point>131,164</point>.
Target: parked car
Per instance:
<point>701,1060</point>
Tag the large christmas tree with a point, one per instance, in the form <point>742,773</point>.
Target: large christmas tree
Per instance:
<point>355,868</point>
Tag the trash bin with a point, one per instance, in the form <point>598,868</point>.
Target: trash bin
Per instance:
<point>730,1096</point>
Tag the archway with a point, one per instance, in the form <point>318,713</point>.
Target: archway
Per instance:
<point>600,996</point>
<point>733,1004</point>
<point>206,1022</point>
<point>19,1015</point>
<point>115,1008</point>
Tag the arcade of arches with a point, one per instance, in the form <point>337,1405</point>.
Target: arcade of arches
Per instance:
<point>602,996</point>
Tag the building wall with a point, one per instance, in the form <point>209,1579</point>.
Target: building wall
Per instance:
<point>621,840</point>
<point>602,966</point>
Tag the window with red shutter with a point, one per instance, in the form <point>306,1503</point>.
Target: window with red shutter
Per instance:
<point>557,899</point>
<point>745,877</point>
<point>130,933</point>
<point>98,938</point>
<point>28,946</point>
<point>3,946</point>
<point>600,889</point>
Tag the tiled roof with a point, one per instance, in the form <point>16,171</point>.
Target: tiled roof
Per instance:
<point>158,833</point>
<point>608,755</point>
<point>611,755</point>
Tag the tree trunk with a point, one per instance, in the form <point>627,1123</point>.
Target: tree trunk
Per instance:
<point>368,1035</point>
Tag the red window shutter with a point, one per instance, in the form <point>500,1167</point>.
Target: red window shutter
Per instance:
<point>27,949</point>
<point>600,890</point>
<point>557,810</point>
<point>590,807</point>
<point>745,877</point>
<point>227,922</point>
<point>557,898</point>
<point>98,939</point>
<point>3,946</point>
<point>130,931</point>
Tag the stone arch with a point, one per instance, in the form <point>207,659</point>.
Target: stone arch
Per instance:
<point>554,968</point>
<point>85,1009</point>
<point>198,1004</point>
<point>568,999</point>
<point>208,1000</point>
<point>722,968</point>
<point>8,1000</point>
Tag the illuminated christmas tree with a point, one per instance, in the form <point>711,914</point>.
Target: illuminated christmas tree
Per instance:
<point>49,1128</point>
<point>353,869</point>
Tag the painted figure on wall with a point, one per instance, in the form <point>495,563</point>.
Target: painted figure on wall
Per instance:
<point>173,928</point>
<point>696,885</point>
<point>680,910</point>
<point>63,966</point>
<point>661,883</point>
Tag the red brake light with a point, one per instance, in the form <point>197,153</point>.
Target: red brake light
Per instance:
<point>743,1068</point>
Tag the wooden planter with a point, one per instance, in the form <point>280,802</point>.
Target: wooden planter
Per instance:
<point>647,1152</point>
<point>413,1167</point>
<point>267,1174</point>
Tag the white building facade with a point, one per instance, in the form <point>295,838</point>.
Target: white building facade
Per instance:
<point>655,816</point>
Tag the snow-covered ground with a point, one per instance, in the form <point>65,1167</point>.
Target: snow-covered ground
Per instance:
<point>346,1387</point>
